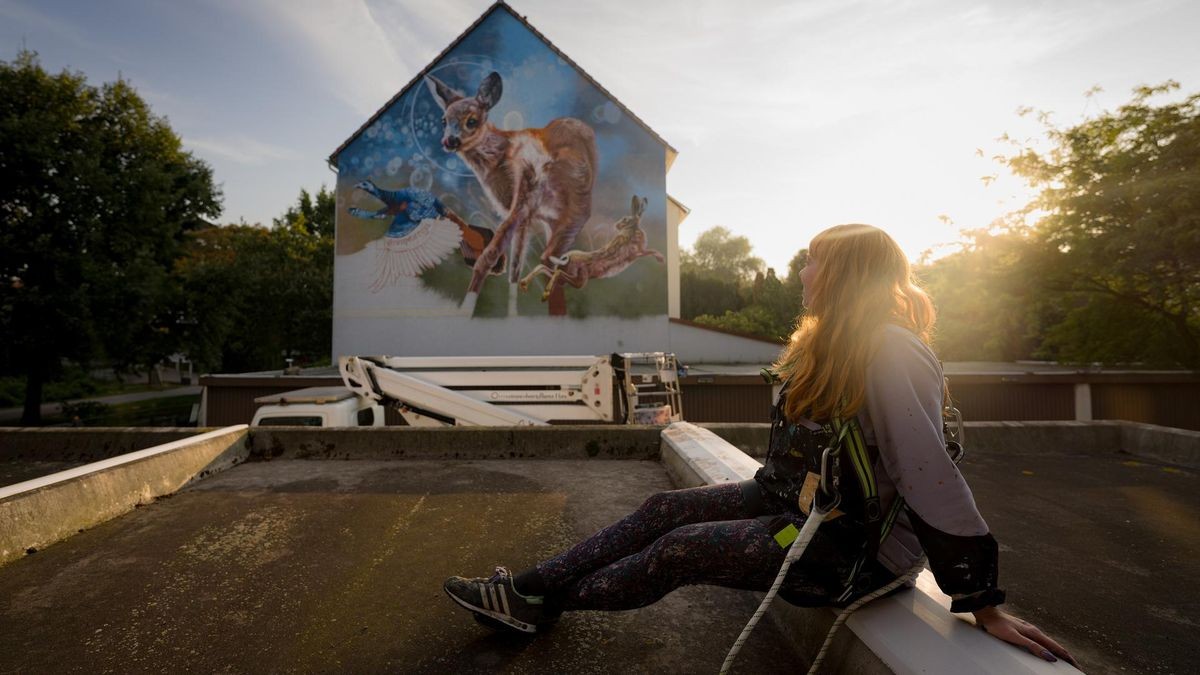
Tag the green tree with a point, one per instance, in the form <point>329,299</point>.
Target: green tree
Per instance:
<point>96,194</point>
<point>753,320</point>
<point>724,285</point>
<point>792,283</point>
<point>316,210</point>
<point>256,296</point>
<point>718,253</point>
<point>714,274</point>
<point>1118,237</point>
<point>701,293</point>
<point>989,303</point>
<point>770,310</point>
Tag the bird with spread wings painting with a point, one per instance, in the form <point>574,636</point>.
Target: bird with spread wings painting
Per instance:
<point>421,234</point>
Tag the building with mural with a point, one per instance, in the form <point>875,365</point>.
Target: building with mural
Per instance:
<point>503,202</point>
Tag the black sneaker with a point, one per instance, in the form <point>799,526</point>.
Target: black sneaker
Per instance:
<point>497,604</point>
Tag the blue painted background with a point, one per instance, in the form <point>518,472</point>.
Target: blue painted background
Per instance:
<point>402,148</point>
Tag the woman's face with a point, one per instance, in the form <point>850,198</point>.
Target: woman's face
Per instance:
<point>808,277</point>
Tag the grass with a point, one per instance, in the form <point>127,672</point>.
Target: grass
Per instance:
<point>72,385</point>
<point>172,411</point>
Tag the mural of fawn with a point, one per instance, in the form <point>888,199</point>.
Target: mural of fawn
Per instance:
<point>577,267</point>
<point>532,176</point>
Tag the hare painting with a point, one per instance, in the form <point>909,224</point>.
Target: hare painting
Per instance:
<point>577,267</point>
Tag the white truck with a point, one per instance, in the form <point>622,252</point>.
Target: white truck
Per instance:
<point>631,388</point>
<point>317,407</point>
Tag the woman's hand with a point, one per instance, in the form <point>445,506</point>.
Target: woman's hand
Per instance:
<point>1021,633</point>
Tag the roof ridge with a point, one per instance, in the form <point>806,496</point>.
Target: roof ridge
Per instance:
<point>499,4</point>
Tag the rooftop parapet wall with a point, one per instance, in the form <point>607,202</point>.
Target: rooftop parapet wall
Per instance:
<point>553,442</point>
<point>83,444</point>
<point>1176,446</point>
<point>40,512</point>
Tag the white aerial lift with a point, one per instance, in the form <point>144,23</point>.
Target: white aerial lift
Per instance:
<point>631,388</point>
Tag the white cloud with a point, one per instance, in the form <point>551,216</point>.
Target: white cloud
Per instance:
<point>241,149</point>
<point>363,51</point>
<point>790,116</point>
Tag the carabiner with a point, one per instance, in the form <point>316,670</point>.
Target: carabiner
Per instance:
<point>825,470</point>
<point>817,507</point>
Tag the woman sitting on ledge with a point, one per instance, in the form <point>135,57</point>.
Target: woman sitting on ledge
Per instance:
<point>860,354</point>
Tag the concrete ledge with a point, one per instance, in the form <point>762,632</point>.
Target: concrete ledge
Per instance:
<point>1036,438</point>
<point>1008,437</point>
<point>1167,444</point>
<point>911,632</point>
<point>378,443</point>
<point>749,437</point>
<point>696,456</point>
<point>39,512</point>
<point>83,444</point>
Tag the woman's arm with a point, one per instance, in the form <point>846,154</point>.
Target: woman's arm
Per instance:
<point>904,401</point>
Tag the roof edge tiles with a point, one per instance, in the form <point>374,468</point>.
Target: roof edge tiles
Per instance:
<point>671,152</point>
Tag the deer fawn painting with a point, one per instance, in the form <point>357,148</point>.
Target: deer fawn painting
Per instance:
<point>540,177</point>
<point>577,267</point>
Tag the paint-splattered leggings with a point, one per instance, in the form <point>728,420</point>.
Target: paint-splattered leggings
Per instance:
<point>704,535</point>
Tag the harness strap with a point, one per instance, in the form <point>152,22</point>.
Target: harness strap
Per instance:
<point>849,439</point>
<point>873,519</point>
<point>891,518</point>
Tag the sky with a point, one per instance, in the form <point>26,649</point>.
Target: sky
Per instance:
<point>789,116</point>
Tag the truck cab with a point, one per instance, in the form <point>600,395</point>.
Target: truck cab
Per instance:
<point>317,407</point>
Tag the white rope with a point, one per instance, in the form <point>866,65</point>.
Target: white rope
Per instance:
<point>806,534</point>
<point>907,577</point>
<point>793,554</point>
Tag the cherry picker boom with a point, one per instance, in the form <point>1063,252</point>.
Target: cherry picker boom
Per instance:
<point>629,388</point>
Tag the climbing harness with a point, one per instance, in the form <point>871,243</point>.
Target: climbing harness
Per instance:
<point>848,437</point>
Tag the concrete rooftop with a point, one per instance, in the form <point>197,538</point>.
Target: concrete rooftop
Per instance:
<point>321,566</point>
<point>329,565</point>
<point>1100,550</point>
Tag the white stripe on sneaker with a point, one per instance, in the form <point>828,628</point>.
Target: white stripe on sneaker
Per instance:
<point>483,594</point>
<point>504,601</point>
<point>492,592</point>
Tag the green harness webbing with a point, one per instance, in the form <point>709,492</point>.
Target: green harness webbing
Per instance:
<point>850,440</point>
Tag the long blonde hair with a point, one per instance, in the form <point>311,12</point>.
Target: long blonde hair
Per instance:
<point>863,281</point>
